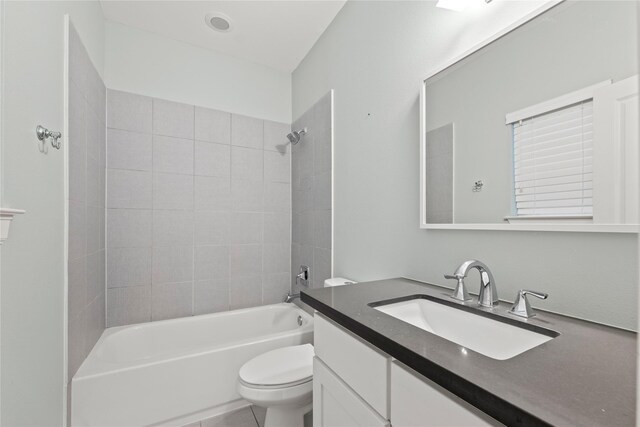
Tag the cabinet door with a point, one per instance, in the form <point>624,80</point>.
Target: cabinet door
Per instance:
<point>336,405</point>
<point>364,368</point>
<point>418,402</point>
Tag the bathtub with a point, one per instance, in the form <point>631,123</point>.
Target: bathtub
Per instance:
<point>174,372</point>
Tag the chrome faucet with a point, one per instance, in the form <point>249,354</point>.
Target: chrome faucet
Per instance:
<point>290,297</point>
<point>488,295</point>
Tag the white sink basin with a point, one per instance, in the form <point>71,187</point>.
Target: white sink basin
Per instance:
<point>484,335</point>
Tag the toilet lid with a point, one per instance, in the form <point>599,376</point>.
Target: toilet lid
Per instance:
<point>287,365</point>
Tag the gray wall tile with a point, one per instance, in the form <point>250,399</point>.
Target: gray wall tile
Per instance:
<point>211,296</point>
<point>126,306</point>
<point>128,228</point>
<point>322,266</point>
<point>76,344</point>
<point>173,119</point>
<point>247,196</point>
<point>322,191</point>
<point>245,260</point>
<point>322,229</point>
<point>95,321</point>
<point>128,267</point>
<point>172,264</point>
<point>79,62</point>
<point>77,286</point>
<point>311,198</point>
<point>172,228</point>
<point>276,258</point>
<point>198,240</point>
<point>212,125</point>
<point>128,150</point>
<point>245,292</point>
<point>212,193</point>
<point>129,189</point>
<point>277,166</point>
<point>246,228</point>
<point>93,182</point>
<point>275,287</point>
<point>212,228</point>
<point>277,228</point>
<point>212,159</point>
<point>246,131</point>
<point>171,300</point>
<point>172,155</point>
<point>128,111</point>
<point>275,134</point>
<point>172,191</point>
<point>306,228</point>
<point>77,230</point>
<point>87,182</point>
<point>77,144</point>
<point>95,283</point>
<point>277,197</point>
<point>211,262</point>
<point>246,164</point>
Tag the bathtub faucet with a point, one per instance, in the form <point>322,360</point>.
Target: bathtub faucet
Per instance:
<point>290,297</point>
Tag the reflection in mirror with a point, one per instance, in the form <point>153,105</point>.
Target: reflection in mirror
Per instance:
<point>539,126</point>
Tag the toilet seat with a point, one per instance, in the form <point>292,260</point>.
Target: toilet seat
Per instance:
<point>280,368</point>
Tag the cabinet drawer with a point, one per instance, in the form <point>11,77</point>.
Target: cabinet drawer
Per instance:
<point>418,402</point>
<point>336,405</point>
<point>364,368</point>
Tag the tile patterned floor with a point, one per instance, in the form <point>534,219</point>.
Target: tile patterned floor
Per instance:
<point>251,416</point>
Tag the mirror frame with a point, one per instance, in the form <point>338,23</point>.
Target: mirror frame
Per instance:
<point>540,225</point>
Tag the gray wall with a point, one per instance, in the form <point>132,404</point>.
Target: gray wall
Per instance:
<point>311,176</point>
<point>375,56</point>
<point>572,46</point>
<point>199,210</point>
<point>32,371</point>
<point>87,159</point>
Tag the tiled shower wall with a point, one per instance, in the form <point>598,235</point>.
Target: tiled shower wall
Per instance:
<point>87,157</point>
<point>198,210</point>
<point>312,194</point>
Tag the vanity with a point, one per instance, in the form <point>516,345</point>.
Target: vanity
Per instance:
<point>376,365</point>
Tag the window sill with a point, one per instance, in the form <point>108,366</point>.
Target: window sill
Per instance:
<point>548,219</point>
<point>557,226</point>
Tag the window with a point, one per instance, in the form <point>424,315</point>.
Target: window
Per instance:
<point>553,173</point>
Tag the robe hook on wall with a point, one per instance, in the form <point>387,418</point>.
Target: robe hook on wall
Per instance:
<point>44,133</point>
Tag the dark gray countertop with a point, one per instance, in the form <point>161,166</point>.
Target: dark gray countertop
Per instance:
<point>586,376</point>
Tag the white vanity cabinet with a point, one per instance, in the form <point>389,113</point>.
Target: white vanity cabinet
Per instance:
<point>335,404</point>
<point>355,384</point>
<point>419,402</point>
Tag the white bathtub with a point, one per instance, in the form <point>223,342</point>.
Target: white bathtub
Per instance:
<point>178,371</point>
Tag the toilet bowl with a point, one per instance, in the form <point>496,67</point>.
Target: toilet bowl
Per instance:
<point>280,380</point>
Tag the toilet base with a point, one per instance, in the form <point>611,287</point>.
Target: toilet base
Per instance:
<point>286,416</point>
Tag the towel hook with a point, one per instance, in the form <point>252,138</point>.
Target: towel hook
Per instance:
<point>44,133</point>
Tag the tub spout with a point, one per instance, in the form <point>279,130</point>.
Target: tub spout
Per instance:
<point>290,297</point>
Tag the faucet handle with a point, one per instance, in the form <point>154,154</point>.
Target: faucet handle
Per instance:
<point>521,306</point>
<point>460,293</point>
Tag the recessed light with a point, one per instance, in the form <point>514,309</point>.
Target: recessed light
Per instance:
<point>218,21</point>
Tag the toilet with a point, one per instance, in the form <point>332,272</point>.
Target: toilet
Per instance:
<point>281,380</point>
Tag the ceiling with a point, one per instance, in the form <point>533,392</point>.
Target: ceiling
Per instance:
<point>277,34</point>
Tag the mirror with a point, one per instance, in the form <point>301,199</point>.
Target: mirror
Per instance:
<point>522,132</point>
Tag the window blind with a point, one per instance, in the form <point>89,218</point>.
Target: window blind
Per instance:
<point>553,162</point>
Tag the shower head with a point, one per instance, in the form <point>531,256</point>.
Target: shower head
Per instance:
<point>294,136</point>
